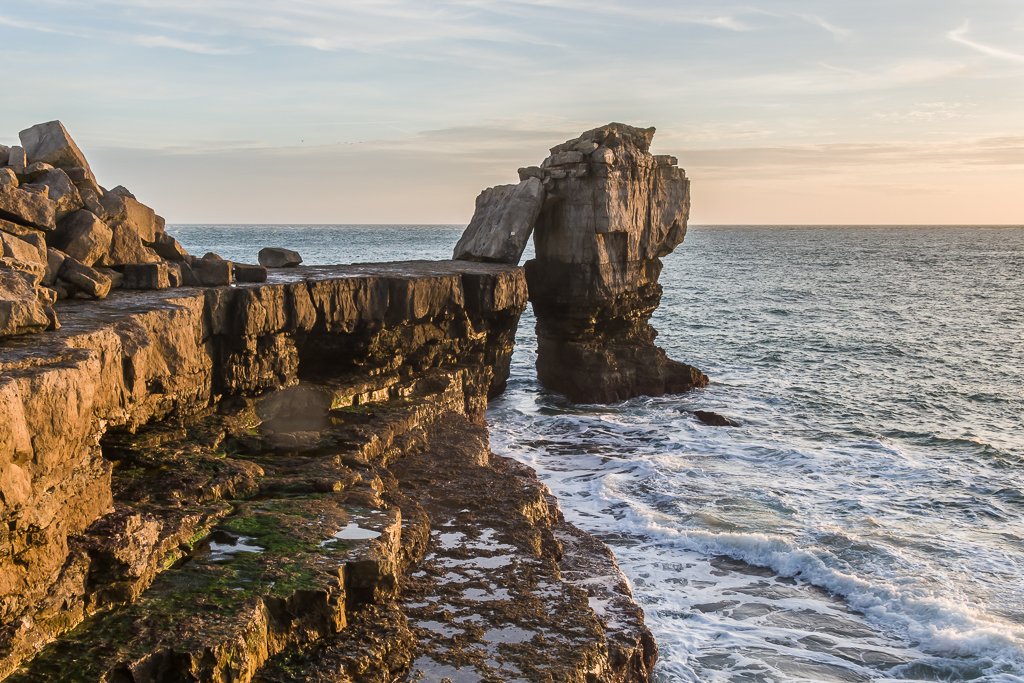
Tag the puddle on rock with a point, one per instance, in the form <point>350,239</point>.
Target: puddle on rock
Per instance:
<point>352,532</point>
<point>220,546</point>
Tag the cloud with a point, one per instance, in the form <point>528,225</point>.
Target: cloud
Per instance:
<point>836,31</point>
<point>957,36</point>
<point>175,44</point>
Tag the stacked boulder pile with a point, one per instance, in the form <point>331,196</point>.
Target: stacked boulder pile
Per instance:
<point>65,236</point>
<point>602,211</point>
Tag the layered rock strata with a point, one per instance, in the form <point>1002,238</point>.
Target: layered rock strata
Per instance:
<point>279,482</point>
<point>65,236</point>
<point>602,211</point>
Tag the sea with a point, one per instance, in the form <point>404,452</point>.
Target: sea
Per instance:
<point>863,520</point>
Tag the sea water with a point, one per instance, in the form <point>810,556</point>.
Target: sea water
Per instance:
<point>864,519</point>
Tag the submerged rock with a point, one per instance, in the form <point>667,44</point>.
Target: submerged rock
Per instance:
<point>712,419</point>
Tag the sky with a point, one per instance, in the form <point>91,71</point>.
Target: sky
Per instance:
<point>402,111</point>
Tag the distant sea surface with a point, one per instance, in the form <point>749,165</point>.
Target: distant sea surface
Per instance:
<point>865,518</point>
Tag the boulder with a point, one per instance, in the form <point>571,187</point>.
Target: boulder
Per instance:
<point>8,177</point>
<point>244,272</point>
<point>21,311</point>
<point>276,257</point>
<point>82,236</point>
<point>211,272</point>
<point>27,208</point>
<point>116,278</point>
<point>17,159</point>
<point>91,201</point>
<point>712,419</point>
<point>502,224</point>
<point>84,179</point>
<point>15,229</point>
<point>167,247</point>
<point>86,279</point>
<point>61,190</point>
<point>132,213</point>
<point>126,246</point>
<point>174,275</point>
<point>210,256</point>
<point>51,143</point>
<point>33,171</point>
<point>145,276</point>
<point>5,153</point>
<point>22,248</point>
<point>611,211</point>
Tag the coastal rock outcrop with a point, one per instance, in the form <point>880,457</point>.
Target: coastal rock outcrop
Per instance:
<point>50,197</point>
<point>606,211</point>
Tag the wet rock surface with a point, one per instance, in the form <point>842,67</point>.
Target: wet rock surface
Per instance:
<point>290,481</point>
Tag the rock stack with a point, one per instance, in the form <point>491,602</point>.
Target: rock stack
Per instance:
<point>65,236</point>
<point>603,211</point>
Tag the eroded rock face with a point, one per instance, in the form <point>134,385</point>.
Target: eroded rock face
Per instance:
<point>612,209</point>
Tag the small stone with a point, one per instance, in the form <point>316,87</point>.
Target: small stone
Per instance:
<point>83,236</point>
<point>27,208</point>
<point>51,143</point>
<point>248,273</point>
<point>88,280</point>
<point>145,276</point>
<point>276,257</point>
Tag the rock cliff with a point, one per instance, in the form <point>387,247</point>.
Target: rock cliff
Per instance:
<point>290,481</point>
<point>603,211</point>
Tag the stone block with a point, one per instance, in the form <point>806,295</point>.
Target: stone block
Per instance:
<point>54,260</point>
<point>86,279</point>
<point>21,249</point>
<point>61,190</point>
<point>276,257</point>
<point>27,208</point>
<point>145,276</point>
<point>5,153</point>
<point>126,246</point>
<point>244,272</point>
<point>17,159</point>
<point>174,275</point>
<point>20,308</point>
<point>91,201</point>
<point>33,171</point>
<point>36,188</point>
<point>168,248</point>
<point>50,142</point>
<point>212,273</point>
<point>116,278</point>
<point>84,179</point>
<point>8,177</point>
<point>82,236</point>
<point>502,224</point>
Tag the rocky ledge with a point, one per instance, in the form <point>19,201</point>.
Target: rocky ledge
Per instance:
<point>602,211</point>
<point>290,481</point>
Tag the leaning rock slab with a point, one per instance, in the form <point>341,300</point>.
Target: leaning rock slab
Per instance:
<point>50,142</point>
<point>88,280</point>
<point>502,224</point>
<point>276,257</point>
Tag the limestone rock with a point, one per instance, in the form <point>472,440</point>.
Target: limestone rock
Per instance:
<point>54,260</point>
<point>5,154</point>
<point>90,281</point>
<point>84,179</point>
<point>276,257</point>
<point>168,248</point>
<point>27,208</point>
<point>51,143</point>
<point>502,224</point>
<point>131,213</point>
<point>8,177</point>
<point>145,276</point>
<point>83,236</point>
<point>212,272</point>
<point>17,159</point>
<point>126,246</point>
<point>91,201</point>
<point>20,309</point>
<point>612,209</point>
<point>61,190</point>
<point>23,248</point>
<point>244,272</point>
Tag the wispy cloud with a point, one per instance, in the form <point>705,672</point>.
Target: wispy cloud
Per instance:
<point>836,31</point>
<point>175,44</point>
<point>959,36</point>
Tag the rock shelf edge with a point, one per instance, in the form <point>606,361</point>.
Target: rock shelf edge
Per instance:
<point>291,481</point>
